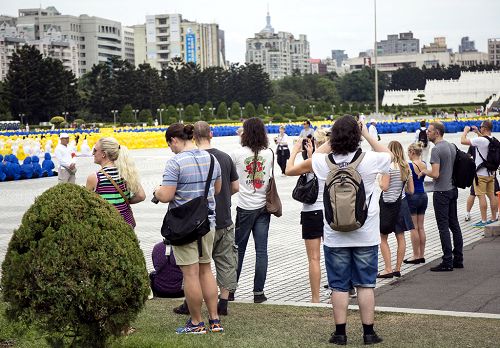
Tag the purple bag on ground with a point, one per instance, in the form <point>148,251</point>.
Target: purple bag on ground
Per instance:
<point>166,279</point>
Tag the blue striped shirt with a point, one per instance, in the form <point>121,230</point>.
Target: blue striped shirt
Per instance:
<point>188,171</point>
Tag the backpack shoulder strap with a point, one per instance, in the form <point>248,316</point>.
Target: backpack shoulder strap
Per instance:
<point>209,177</point>
<point>356,160</point>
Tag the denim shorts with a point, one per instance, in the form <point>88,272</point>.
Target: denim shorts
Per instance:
<point>351,267</point>
<point>418,203</point>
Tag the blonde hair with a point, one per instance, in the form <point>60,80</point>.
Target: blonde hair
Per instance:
<point>399,158</point>
<point>416,148</point>
<point>119,154</point>
<point>321,136</point>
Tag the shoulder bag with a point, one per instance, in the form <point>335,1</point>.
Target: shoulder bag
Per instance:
<point>120,192</point>
<point>306,191</point>
<point>273,201</point>
<point>189,222</point>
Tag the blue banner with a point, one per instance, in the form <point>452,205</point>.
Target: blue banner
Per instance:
<point>191,47</point>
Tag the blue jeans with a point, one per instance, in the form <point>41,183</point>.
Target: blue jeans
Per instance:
<point>348,267</point>
<point>257,222</point>
<point>445,209</point>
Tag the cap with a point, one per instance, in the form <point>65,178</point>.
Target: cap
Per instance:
<point>63,135</point>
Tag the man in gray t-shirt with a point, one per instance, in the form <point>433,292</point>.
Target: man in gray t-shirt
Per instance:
<point>445,198</point>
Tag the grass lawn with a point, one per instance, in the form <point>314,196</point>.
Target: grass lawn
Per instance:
<point>250,325</point>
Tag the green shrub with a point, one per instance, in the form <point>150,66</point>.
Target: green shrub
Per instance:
<point>57,121</point>
<point>74,269</point>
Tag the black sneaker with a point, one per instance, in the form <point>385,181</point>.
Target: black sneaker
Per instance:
<point>458,264</point>
<point>231,296</point>
<point>340,340</point>
<point>259,298</point>
<point>441,268</point>
<point>372,339</point>
<point>182,309</point>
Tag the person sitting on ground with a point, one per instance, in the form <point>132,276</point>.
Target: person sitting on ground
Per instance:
<point>48,165</point>
<point>15,167</point>
<point>37,169</point>
<point>27,169</point>
<point>166,279</point>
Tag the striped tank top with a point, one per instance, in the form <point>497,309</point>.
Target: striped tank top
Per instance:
<point>106,190</point>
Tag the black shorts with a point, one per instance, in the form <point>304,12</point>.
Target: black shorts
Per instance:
<point>312,224</point>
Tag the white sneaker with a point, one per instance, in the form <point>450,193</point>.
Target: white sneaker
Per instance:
<point>467,217</point>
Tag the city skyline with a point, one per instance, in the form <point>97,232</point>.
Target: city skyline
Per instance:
<point>328,25</point>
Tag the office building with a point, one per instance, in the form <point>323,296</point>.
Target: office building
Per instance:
<point>494,51</point>
<point>466,45</point>
<point>438,46</point>
<point>128,51</point>
<point>339,56</point>
<point>404,43</point>
<point>279,54</point>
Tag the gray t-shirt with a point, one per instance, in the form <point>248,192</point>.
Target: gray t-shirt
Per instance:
<point>223,199</point>
<point>443,153</point>
<point>304,133</point>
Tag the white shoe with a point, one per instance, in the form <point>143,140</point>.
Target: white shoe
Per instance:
<point>467,217</point>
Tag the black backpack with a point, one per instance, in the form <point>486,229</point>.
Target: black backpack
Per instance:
<point>422,137</point>
<point>492,161</point>
<point>464,170</point>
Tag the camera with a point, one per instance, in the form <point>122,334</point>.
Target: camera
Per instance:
<point>304,141</point>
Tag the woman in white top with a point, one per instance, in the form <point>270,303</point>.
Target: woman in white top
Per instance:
<point>311,216</point>
<point>282,149</point>
<point>253,162</point>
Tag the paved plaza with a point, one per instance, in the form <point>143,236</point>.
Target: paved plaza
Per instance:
<point>287,279</point>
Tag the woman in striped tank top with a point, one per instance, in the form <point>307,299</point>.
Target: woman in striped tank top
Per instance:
<point>117,167</point>
<point>394,184</point>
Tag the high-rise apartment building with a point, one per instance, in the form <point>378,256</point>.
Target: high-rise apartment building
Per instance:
<point>466,45</point>
<point>404,43</point>
<point>98,39</point>
<point>279,54</point>
<point>494,51</point>
<point>128,51</point>
<point>168,36</point>
<point>339,56</point>
<point>51,45</point>
<point>438,46</point>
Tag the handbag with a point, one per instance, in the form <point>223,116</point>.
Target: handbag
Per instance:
<point>120,192</point>
<point>389,213</point>
<point>273,201</point>
<point>189,222</point>
<point>306,191</point>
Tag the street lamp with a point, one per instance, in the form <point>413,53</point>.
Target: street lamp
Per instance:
<point>312,109</point>
<point>135,111</point>
<point>114,116</point>
<point>212,111</point>
<point>366,107</point>
<point>21,116</point>
<point>333,108</point>
<point>267,109</point>
<point>180,110</point>
<point>293,109</point>
<point>350,107</point>
<point>65,114</point>
<point>160,111</point>
<point>241,111</point>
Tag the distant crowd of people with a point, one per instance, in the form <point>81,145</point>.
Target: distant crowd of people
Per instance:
<point>346,216</point>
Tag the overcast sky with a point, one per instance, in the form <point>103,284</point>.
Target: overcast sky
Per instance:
<point>328,24</point>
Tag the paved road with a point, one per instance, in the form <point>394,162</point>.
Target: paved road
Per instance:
<point>287,274</point>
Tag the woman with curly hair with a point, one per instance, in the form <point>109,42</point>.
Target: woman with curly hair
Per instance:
<point>351,259</point>
<point>118,180</point>
<point>253,163</point>
<point>394,184</point>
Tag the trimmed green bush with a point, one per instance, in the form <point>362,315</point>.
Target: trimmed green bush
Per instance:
<point>74,269</point>
<point>57,121</point>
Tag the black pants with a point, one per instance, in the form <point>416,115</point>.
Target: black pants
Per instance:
<point>445,209</point>
<point>283,156</point>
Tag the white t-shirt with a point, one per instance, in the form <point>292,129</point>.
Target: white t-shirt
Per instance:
<point>63,156</point>
<point>282,140</point>
<point>481,144</point>
<point>372,164</point>
<point>252,194</point>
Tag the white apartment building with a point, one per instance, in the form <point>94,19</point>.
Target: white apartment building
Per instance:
<point>128,50</point>
<point>279,54</point>
<point>98,39</point>
<point>139,44</point>
<point>52,45</point>
<point>168,36</point>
